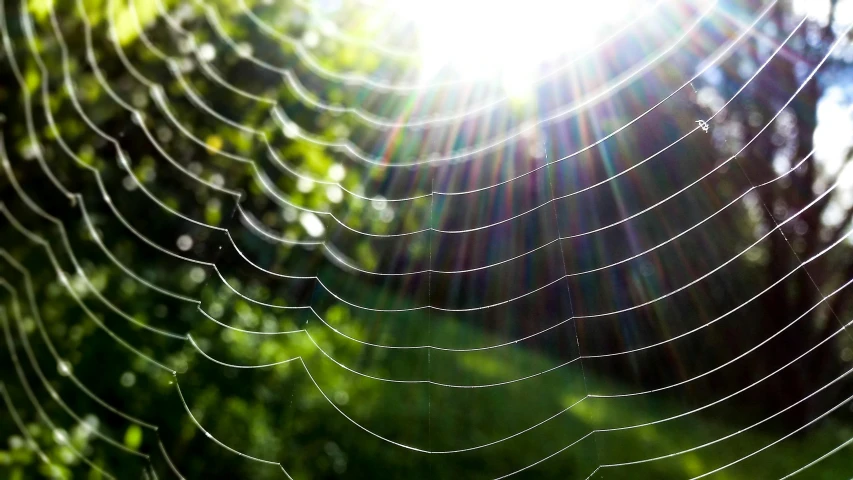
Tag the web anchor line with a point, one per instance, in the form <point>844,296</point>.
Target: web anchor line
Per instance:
<point>550,173</point>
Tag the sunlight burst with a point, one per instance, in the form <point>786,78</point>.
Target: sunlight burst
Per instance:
<point>510,39</point>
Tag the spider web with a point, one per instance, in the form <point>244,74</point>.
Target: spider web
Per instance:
<point>316,268</point>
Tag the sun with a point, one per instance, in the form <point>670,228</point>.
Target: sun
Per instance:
<point>508,39</point>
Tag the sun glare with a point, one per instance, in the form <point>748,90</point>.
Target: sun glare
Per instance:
<point>507,38</point>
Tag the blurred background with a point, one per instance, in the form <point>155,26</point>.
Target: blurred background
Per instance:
<point>401,239</point>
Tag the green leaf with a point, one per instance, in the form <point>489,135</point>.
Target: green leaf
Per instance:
<point>133,437</point>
